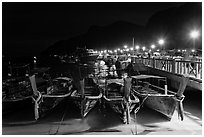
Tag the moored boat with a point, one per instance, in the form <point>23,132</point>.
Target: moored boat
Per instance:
<point>118,96</point>
<point>16,89</point>
<point>85,55</point>
<point>49,97</point>
<point>153,92</point>
<point>87,95</point>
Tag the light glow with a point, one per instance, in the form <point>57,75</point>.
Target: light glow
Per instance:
<point>161,42</point>
<point>194,34</point>
<point>152,46</point>
<point>137,47</point>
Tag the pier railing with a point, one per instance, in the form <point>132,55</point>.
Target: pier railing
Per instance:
<point>194,69</point>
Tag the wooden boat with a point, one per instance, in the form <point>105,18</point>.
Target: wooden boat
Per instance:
<point>153,92</point>
<point>18,70</point>
<point>16,89</point>
<point>85,55</point>
<point>118,96</point>
<point>15,92</point>
<point>51,95</point>
<point>87,95</point>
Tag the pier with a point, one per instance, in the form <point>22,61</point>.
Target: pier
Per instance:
<point>173,69</point>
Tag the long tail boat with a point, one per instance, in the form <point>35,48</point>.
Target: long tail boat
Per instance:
<point>16,89</point>
<point>153,92</point>
<point>87,95</point>
<point>86,55</point>
<point>119,97</point>
<point>45,99</point>
<point>15,92</point>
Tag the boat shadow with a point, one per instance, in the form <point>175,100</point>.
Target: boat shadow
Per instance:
<point>149,116</point>
<point>98,120</point>
<point>25,116</point>
<point>148,119</point>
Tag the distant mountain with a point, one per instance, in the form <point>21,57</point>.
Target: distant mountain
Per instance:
<point>173,24</point>
<point>97,37</point>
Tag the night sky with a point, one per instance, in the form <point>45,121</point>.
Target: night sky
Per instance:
<point>29,28</point>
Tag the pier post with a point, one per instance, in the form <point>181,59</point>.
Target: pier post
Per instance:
<point>173,66</point>
<point>82,97</point>
<point>127,85</point>
<point>153,62</point>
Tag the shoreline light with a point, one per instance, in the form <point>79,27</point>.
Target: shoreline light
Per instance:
<point>137,47</point>
<point>161,42</point>
<point>152,46</point>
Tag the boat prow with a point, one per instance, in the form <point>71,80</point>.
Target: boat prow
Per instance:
<point>156,96</point>
<point>86,96</point>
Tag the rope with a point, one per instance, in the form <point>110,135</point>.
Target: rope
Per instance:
<point>135,113</point>
<point>180,106</point>
<point>37,103</point>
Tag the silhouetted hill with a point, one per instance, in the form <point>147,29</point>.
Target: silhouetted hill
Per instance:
<point>173,24</point>
<point>106,37</point>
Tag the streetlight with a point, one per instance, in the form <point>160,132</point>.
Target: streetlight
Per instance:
<point>152,46</point>
<point>125,46</point>
<point>137,47</point>
<point>161,42</point>
<point>143,48</point>
<point>194,35</point>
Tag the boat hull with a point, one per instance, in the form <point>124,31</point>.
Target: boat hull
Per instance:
<point>86,96</point>
<point>85,106</point>
<point>47,105</point>
<point>122,107</point>
<point>9,106</point>
<point>89,59</point>
<point>164,104</point>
